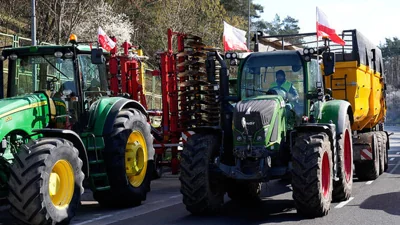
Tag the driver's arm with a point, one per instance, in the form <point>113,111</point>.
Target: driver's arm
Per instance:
<point>294,93</point>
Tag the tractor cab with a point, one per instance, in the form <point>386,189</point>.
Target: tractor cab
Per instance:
<point>282,74</point>
<point>65,74</point>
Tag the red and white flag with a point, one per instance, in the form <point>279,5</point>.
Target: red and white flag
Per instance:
<point>234,38</point>
<point>325,29</point>
<point>104,40</point>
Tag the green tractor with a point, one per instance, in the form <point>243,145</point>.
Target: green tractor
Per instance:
<point>61,132</point>
<point>267,133</point>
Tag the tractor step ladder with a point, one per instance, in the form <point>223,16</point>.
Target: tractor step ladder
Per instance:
<point>98,176</point>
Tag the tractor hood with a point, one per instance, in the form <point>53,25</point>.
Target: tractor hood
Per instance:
<point>12,105</point>
<point>23,113</point>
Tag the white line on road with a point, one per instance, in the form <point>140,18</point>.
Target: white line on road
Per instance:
<point>369,182</point>
<point>397,165</point>
<point>340,205</point>
<point>134,212</point>
<point>391,159</point>
<point>95,219</point>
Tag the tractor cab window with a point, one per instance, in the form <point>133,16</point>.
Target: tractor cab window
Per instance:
<point>41,73</point>
<point>275,74</point>
<point>94,78</point>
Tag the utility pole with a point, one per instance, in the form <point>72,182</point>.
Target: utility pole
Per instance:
<point>248,32</point>
<point>33,25</point>
<point>33,37</point>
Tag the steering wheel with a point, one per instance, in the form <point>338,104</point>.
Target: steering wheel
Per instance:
<point>278,91</point>
<point>51,83</point>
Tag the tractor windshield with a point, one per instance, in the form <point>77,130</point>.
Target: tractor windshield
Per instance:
<point>42,73</point>
<point>274,73</point>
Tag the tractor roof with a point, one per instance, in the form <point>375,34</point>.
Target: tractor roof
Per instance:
<point>48,49</point>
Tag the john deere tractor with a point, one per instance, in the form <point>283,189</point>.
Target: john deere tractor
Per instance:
<point>267,133</point>
<point>60,132</point>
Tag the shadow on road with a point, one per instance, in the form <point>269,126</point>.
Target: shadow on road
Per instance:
<point>265,211</point>
<point>386,202</point>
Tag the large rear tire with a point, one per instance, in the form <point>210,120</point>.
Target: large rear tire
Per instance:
<point>244,191</point>
<point>342,188</point>
<point>46,182</point>
<point>202,189</point>
<point>126,156</point>
<point>381,149</point>
<point>369,170</point>
<point>312,174</point>
<point>385,151</point>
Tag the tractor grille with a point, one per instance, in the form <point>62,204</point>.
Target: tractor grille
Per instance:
<point>257,113</point>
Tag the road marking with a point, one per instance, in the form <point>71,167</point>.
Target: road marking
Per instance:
<point>397,165</point>
<point>138,211</point>
<point>369,182</point>
<point>95,219</point>
<point>340,205</point>
<point>391,159</point>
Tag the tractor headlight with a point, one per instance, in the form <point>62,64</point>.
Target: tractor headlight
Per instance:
<point>259,138</point>
<point>239,138</point>
<point>312,51</point>
<point>13,57</point>
<point>58,54</point>
<point>2,58</point>
<point>228,55</point>
<point>306,51</point>
<point>68,55</point>
<point>234,55</point>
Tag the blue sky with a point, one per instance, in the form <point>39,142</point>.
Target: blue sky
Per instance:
<point>376,19</point>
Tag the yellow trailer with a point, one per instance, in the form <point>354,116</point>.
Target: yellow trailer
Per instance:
<point>359,79</point>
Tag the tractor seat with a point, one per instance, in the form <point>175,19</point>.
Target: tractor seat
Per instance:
<point>53,110</point>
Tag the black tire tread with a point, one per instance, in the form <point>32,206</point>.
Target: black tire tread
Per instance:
<point>341,188</point>
<point>122,194</point>
<point>369,170</point>
<point>25,182</point>
<point>307,194</point>
<point>196,178</point>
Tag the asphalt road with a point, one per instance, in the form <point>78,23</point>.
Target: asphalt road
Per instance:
<point>372,202</point>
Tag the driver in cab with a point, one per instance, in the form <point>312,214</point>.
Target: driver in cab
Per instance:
<point>287,86</point>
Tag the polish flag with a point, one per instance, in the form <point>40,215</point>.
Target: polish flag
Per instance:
<point>104,40</point>
<point>234,38</point>
<point>325,29</point>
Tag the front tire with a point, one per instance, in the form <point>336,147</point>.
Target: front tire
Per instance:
<point>342,188</point>
<point>126,156</point>
<point>312,174</point>
<point>46,182</point>
<point>202,189</point>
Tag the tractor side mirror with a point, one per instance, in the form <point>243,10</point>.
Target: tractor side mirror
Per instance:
<point>97,56</point>
<point>328,59</point>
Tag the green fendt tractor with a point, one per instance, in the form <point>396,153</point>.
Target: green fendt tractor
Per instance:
<point>269,133</point>
<point>61,131</point>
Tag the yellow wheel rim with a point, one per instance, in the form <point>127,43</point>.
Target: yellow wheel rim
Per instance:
<point>61,184</point>
<point>136,158</point>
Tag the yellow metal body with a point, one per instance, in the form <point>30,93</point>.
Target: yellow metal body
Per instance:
<point>363,88</point>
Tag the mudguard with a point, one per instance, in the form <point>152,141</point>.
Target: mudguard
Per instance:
<point>335,111</point>
<point>72,137</point>
<point>103,113</point>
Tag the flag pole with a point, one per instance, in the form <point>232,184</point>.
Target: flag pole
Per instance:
<point>316,26</point>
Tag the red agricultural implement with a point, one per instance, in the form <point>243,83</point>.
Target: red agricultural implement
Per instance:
<point>183,106</point>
